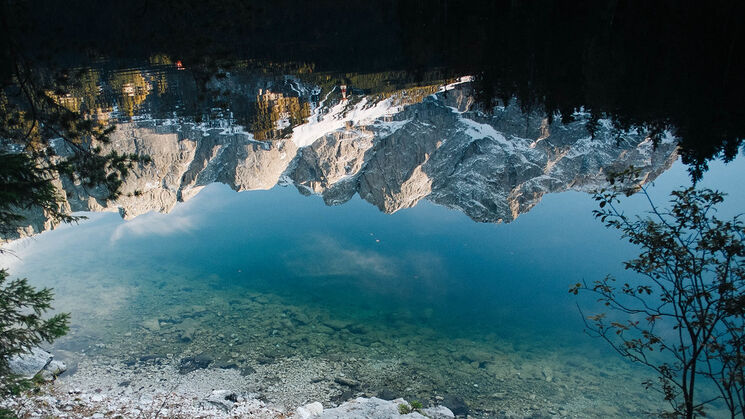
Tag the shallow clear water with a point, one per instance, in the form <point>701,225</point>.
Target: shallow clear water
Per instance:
<point>419,303</point>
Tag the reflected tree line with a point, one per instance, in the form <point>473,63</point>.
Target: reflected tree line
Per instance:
<point>655,65</point>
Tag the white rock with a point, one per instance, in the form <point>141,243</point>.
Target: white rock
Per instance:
<point>438,412</point>
<point>47,375</point>
<point>309,410</point>
<point>28,365</point>
<point>53,369</point>
<point>369,408</point>
<point>221,399</point>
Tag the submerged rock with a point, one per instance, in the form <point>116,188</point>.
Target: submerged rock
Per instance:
<point>547,374</point>
<point>337,324</point>
<point>345,395</point>
<point>386,394</point>
<point>247,370</point>
<point>151,357</point>
<point>187,335</point>
<point>193,363</point>
<point>152,325</point>
<point>302,318</point>
<point>346,381</point>
<point>456,404</point>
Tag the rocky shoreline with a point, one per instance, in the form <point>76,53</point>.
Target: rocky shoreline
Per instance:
<point>96,387</point>
<point>155,390</point>
<point>219,404</point>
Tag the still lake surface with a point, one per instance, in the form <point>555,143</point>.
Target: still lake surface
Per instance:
<point>424,301</point>
<point>353,199</point>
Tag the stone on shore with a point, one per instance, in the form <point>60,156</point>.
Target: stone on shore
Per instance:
<point>369,408</point>
<point>53,369</point>
<point>222,399</point>
<point>30,364</point>
<point>438,412</point>
<point>310,410</point>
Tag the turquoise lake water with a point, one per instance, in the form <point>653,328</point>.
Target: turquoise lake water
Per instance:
<point>480,311</point>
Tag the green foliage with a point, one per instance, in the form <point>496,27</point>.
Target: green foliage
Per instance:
<point>25,186</point>
<point>16,385</point>
<point>37,106</point>
<point>22,322</point>
<point>684,314</point>
<point>405,409</point>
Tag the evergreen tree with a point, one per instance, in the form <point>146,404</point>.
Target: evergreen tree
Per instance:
<point>22,322</point>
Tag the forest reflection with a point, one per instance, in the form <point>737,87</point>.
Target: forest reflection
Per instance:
<point>656,66</point>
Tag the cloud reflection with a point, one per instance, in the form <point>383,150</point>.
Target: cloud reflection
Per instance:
<point>328,257</point>
<point>154,224</point>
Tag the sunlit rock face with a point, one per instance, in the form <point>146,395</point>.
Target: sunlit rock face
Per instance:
<point>492,167</point>
<point>393,153</point>
<point>327,164</point>
<point>184,158</point>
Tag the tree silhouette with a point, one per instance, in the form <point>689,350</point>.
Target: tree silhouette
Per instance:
<point>682,316</point>
<point>22,325</point>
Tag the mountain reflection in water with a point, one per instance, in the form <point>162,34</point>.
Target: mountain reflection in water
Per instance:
<point>392,148</point>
